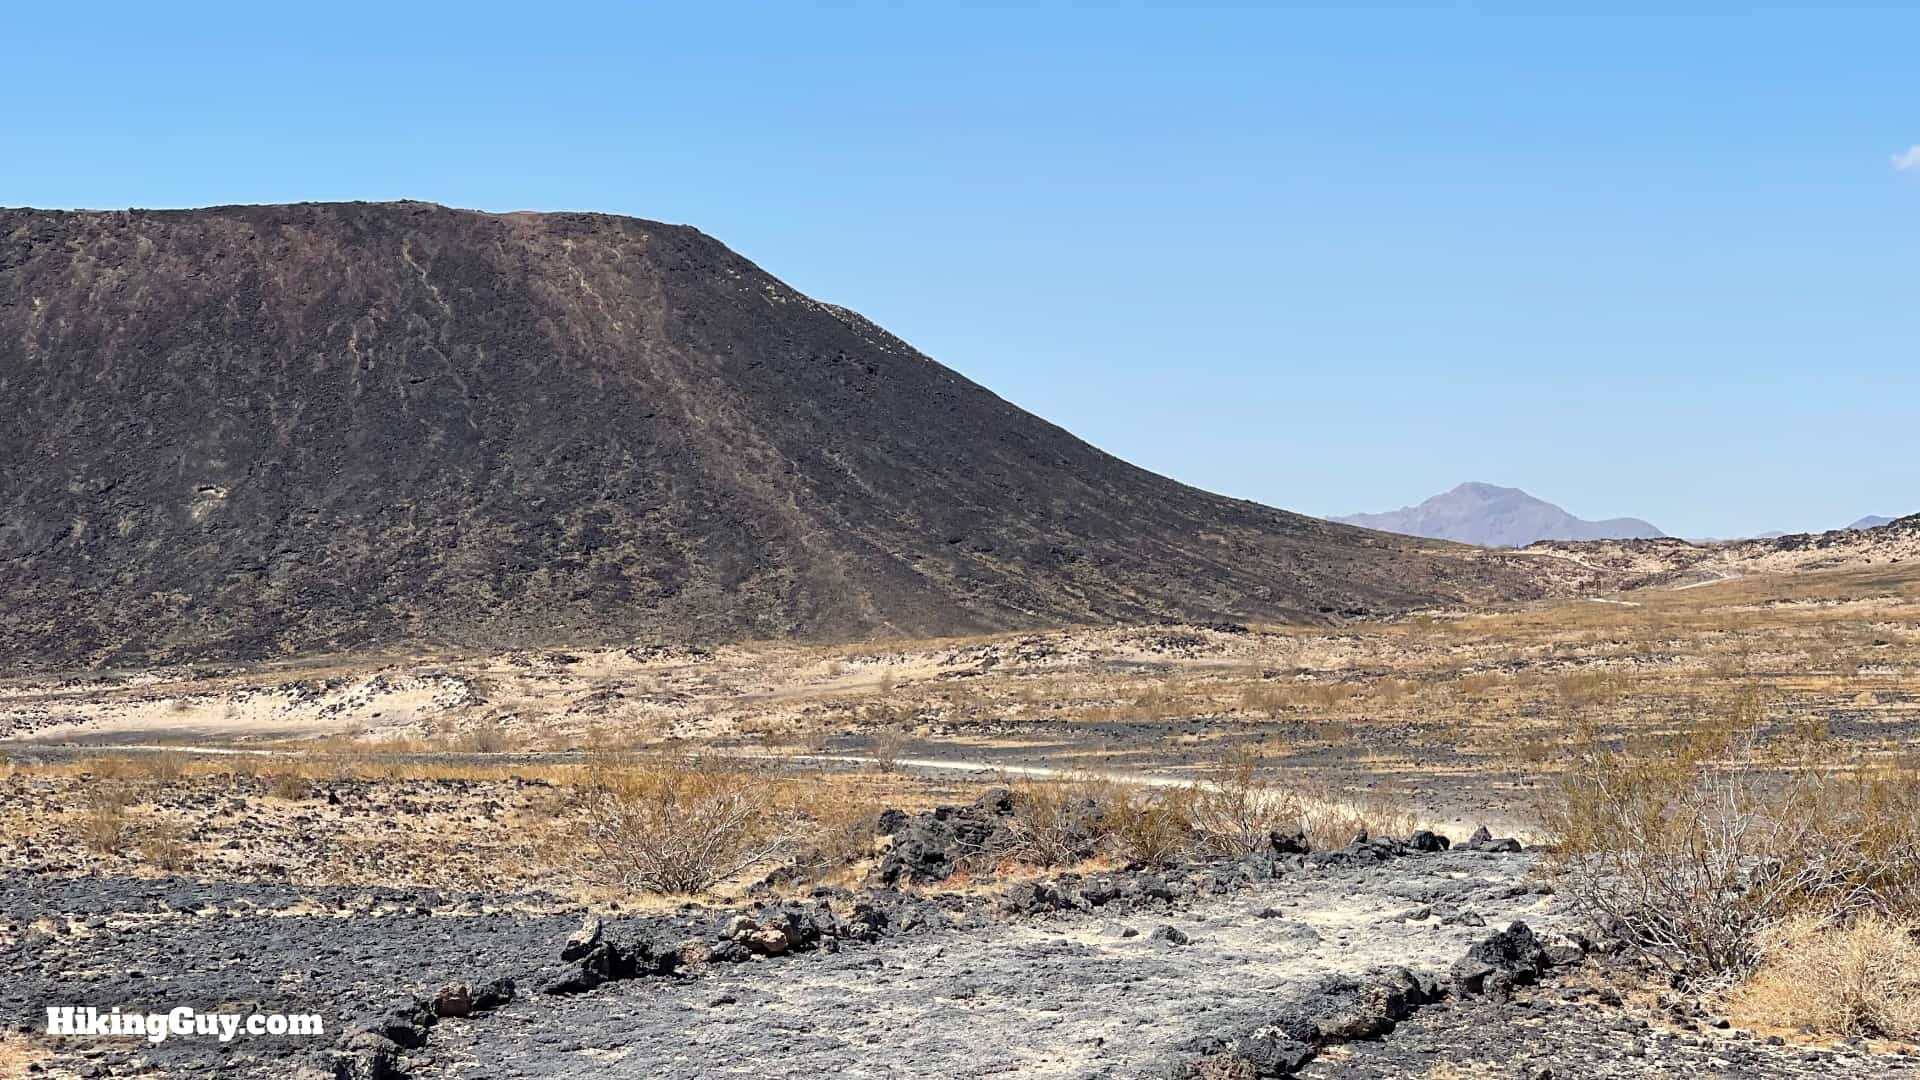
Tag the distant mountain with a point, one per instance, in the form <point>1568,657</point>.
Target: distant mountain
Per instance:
<point>1498,517</point>
<point>1871,521</point>
<point>1774,534</point>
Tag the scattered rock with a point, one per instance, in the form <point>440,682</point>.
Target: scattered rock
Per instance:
<point>453,1001</point>
<point>771,941</point>
<point>1495,966</point>
<point>581,941</point>
<point>1482,840</point>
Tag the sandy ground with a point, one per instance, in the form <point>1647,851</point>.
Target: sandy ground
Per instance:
<point>1457,715</point>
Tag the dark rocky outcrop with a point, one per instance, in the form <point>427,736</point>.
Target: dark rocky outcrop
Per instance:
<point>1340,1009</point>
<point>1494,967</point>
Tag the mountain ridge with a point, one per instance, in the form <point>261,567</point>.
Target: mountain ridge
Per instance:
<point>1489,515</point>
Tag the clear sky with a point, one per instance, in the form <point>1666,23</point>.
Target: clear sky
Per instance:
<point>1648,259</point>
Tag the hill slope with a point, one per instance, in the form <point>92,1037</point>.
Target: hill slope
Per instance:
<point>1633,564</point>
<point>1497,517</point>
<point>251,431</point>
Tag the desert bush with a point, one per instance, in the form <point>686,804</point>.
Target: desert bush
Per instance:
<point>1060,823</point>
<point>682,824</point>
<point>835,831</point>
<point>1332,819</point>
<point>163,767</point>
<point>290,786</point>
<point>1236,811</point>
<point>485,737</point>
<point>1860,979</point>
<point>1152,826</point>
<point>1264,699</point>
<point>1695,846</point>
<point>1591,687</point>
<point>163,845</point>
<point>103,823</point>
<point>109,769</point>
<point>884,748</point>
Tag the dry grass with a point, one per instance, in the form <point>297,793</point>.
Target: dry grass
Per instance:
<point>289,787</point>
<point>683,825</point>
<point>1697,845</point>
<point>1238,809</point>
<point>164,846</point>
<point>1861,979</point>
<point>103,823</point>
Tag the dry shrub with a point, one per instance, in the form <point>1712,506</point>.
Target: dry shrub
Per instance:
<point>1862,979</point>
<point>1224,1067</point>
<point>1151,826</point>
<point>1332,819</point>
<point>1237,811</point>
<point>1694,847</point>
<point>1388,693</point>
<point>1059,823</point>
<point>290,786</point>
<point>1479,684</point>
<point>1327,696</point>
<point>1264,699</point>
<point>884,748</point>
<point>163,767</point>
<point>109,769</point>
<point>163,846</point>
<point>103,824</point>
<point>1591,687</point>
<point>19,1057</point>
<point>485,737</point>
<point>834,833</point>
<point>682,825</point>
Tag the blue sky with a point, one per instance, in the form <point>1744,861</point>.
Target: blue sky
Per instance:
<point>1332,257</point>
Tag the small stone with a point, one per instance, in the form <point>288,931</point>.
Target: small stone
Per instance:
<point>581,941</point>
<point>453,1000</point>
<point>771,941</point>
<point>1170,934</point>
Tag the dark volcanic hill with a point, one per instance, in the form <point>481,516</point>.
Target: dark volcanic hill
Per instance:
<point>252,431</point>
<point>1495,516</point>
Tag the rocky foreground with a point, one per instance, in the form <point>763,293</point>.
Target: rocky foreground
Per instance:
<point>1384,958</point>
